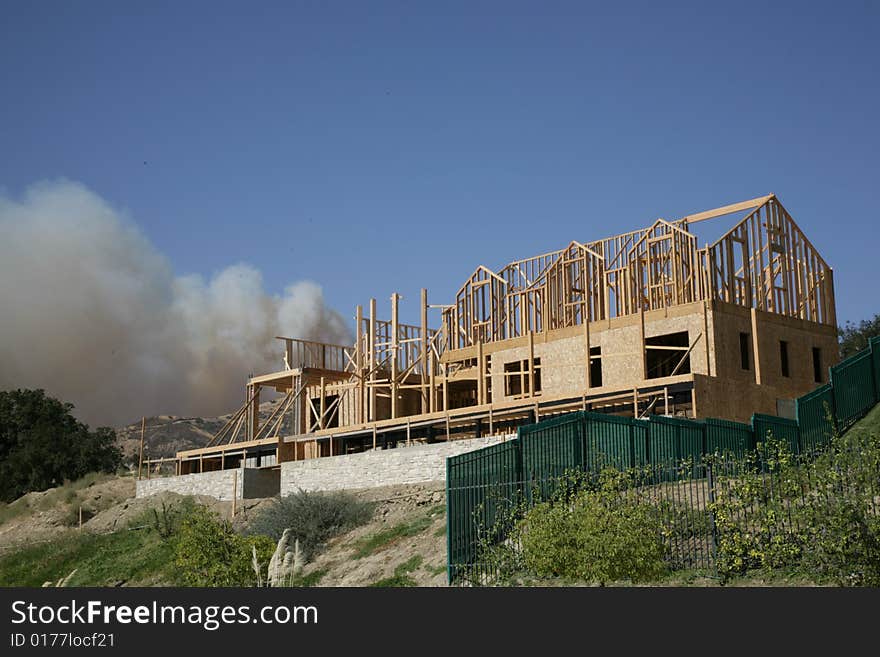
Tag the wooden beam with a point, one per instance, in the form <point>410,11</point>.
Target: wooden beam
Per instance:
<point>359,364</point>
<point>395,347</point>
<point>727,209</point>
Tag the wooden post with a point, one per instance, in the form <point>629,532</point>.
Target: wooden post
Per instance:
<point>445,387</point>
<point>706,333</point>
<point>432,393</point>
<point>372,362</point>
<point>635,402</point>
<point>424,354</point>
<point>665,400</point>
<point>254,424</point>
<point>322,406</point>
<point>532,364</point>
<point>642,354</point>
<point>755,348</point>
<point>481,382</point>
<point>374,436</point>
<point>588,378</point>
<point>395,346</point>
<point>359,364</point>
<point>408,440</point>
<point>141,457</point>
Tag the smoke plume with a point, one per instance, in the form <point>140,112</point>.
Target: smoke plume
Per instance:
<point>93,313</point>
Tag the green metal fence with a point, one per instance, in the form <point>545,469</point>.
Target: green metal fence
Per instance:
<point>484,485</point>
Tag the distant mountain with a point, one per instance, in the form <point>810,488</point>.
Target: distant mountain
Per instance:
<point>165,435</point>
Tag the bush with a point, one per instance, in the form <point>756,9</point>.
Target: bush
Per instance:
<point>595,536</point>
<point>209,553</point>
<point>814,518</point>
<point>312,517</point>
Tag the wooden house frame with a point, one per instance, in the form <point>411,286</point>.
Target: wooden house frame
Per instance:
<point>642,322</point>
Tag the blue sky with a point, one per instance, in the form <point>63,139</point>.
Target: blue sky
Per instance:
<point>382,146</point>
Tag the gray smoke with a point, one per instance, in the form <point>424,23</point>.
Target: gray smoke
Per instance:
<point>93,313</point>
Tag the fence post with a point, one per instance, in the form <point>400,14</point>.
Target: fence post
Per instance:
<point>710,483</point>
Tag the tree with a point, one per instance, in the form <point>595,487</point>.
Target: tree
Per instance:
<point>854,337</point>
<point>42,444</point>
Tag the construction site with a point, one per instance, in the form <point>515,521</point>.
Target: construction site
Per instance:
<point>646,322</point>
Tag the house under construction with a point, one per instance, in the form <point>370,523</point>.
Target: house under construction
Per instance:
<point>646,322</point>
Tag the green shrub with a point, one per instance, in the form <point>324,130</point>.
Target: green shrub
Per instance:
<point>209,553</point>
<point>312,517</point>
<point>815,518</point>
<point>841,520</point>
<point>595,536</point>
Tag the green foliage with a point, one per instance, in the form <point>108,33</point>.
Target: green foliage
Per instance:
<point>42,444</point>
<point>385,537</point>
<point>401,575</point>
<point>312,517</point>
<point>166,520</point>
<point>311,579</point>
<point>594,535</point>
<point>816,518</point>
<point>209,553</point>
<point>750,508</point>
<point>853,337</point>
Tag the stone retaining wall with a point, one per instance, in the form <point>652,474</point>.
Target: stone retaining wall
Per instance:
<point>381,467</point>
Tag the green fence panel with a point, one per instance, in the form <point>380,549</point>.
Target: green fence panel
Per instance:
<point>613,441</point>
<point>480,485</point>
<point>675,439</point>
<point>815,416</point>
<point>640,430</point>
<point>874,345</point>
<point>551,448</point>
<point>854,387</point>
<point>782,429</point>
<point>725,436</point>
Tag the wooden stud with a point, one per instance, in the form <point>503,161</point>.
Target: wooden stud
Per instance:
<point>372,362</point>
<point>395,346</point>
<point>755,346</point>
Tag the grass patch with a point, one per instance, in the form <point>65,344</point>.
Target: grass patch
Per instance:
<point>312,579</point>
<point>385,537</point>
<point>137,557</point>
<point>401,574</point>
<point>436,570</point>
<point>440,531</point>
